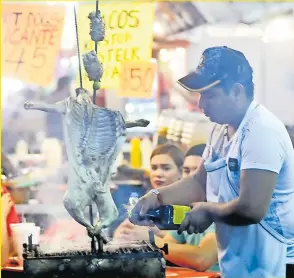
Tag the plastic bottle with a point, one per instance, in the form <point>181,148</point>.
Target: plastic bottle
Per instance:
<point>134,198</point>
<point>168,217</point>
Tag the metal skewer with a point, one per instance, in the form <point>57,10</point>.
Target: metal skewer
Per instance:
<point>100,241</point>
<point>78,48</point>
<point>93,246</point>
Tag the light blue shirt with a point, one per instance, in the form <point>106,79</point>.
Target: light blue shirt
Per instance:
<point>261,142</point>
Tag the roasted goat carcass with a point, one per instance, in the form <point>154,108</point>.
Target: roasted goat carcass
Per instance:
<point>93,138</point>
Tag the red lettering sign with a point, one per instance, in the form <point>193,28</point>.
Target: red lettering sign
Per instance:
<point>31,41</point>
<point>136,79</point>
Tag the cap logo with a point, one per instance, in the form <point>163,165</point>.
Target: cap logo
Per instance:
<point>201,62</point>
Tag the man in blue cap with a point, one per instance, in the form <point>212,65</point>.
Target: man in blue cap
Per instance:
<point>245,184</point>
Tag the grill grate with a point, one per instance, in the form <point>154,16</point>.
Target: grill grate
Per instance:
<point>133,260</point>
<point>142,247</point>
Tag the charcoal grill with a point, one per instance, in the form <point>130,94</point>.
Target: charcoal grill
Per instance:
<point>143,260</point>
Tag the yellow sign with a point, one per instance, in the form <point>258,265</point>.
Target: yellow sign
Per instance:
<point>31,37</point>
<point>136,79</point>
<point>129,36</point>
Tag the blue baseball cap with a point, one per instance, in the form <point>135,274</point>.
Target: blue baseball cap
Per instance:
<point>216,65</point>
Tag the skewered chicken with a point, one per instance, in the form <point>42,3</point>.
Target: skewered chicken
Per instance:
<point>93,138</point>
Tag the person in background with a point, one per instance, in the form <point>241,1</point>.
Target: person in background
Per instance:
<point>193,159</point>
<point>196,251</point>
<point>166,167</point>
<point>9,216</point>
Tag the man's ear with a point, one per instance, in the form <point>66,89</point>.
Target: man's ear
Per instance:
<point>237,90</point>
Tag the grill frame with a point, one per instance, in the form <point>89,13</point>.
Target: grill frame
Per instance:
<point>143,261</point>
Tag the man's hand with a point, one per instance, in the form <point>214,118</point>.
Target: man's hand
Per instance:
<point>134,234</point>
<point>197,220</point>
<point>130,232</point>
<point>124,228</point>
<point>138,213</point>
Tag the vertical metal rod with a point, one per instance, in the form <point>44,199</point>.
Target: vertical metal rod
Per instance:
<point>100,243</point>
<point>78,48</point>
<point>93,247</point>
<point>96,50</point>
<point>30,242</point>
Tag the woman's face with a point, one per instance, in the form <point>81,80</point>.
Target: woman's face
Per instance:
<point>191,164</point>
<point>164,171</point>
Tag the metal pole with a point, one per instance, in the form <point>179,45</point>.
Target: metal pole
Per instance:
<point>93,247</point>
<point>78,48</point>
<point>100,241</point>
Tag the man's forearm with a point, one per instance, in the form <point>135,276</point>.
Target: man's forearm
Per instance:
<point>183,192</point>
<point>231,213</point>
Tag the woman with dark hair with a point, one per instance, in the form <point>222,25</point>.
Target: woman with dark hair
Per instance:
<point>166,165</point>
